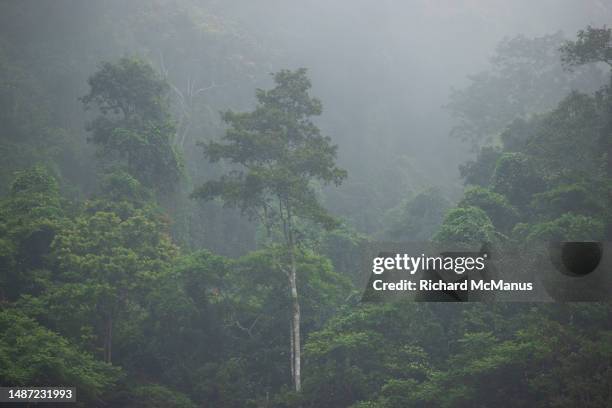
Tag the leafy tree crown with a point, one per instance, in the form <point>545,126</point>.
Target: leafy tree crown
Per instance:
<point>278,152</point>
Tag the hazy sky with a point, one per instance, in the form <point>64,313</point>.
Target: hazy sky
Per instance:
<point>401,56</point>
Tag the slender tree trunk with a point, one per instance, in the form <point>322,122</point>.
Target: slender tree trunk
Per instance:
<point>295,322</point>
<point>296,348</point>
<point>292,352</point>
<point>608,231</point>
<point>606,142</point>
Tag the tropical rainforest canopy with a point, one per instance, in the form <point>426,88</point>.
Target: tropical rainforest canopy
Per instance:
<point>186,188</point>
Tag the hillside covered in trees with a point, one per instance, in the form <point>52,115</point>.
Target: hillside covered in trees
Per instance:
<point>186,192</point>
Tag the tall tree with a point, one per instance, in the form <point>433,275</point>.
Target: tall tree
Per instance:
<point>30,217</point>
<point>279,153</point>
<point>134,129</point>
<point>109,259</point>
<point>594,45</point>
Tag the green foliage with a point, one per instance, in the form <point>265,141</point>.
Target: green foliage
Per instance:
<point>120,186</point>
<point>259,278</point>
<point>577,198</point>
<point>419,217</point>
<point>30,217</point>
<point>526,77</point>
<point>134,129</point>
<point>592,45</point>
<point>567,142</point>
<point>280,151</point>
<point>34,193</point>
<point>490,355</point>
<point>130,88</point>
<point>280,154</point>
<point>152,396</point>
<point>351,358</point>
<point>343,246</point>
<point>31,354</point>
<point>28,133</point>
<point>604,99</point>
<point>496,206</point>
<point>120,194</point>
<point>82,276</point>
<point>568,227</point>
<point>220,325</point>
<point>465,225</point>
<point>493,371</point>
<point>516,177</point>
<point>519,133</point>
<point>104,275</point>
<point>96,245</point>
<point>106,267</point>
<point>478,172</point>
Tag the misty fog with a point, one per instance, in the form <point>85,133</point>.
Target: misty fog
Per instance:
<point>187,189</point>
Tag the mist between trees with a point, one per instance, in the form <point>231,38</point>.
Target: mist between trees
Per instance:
<point>187,188</point>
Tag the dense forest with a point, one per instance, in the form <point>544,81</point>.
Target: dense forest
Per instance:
<point>185,198</point>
